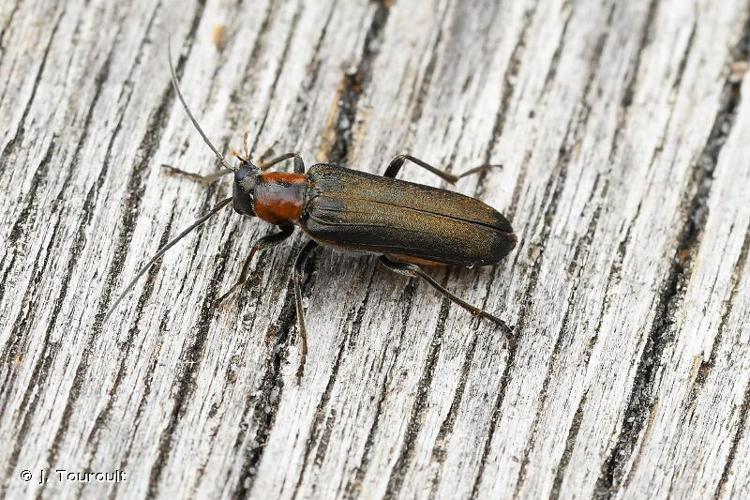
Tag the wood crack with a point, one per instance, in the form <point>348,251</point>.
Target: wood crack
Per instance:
<point>313,68</point>
<point>740,267</point>
<point>266,406</point>
<point>148,380</point>
<point>446,427</point>
<point>44,361</point>
<point>631,79</point>
<point>571,300</point>
<point>10,352</point>
<point>555,61</point>
<point>354,486</point>
<point>103,417</point>
<point>235,97</point>
<point>7,24</point>
<point>736,437</point>
<point>185,384</point>
<point>253,456</point>
<point>274,86</point>
<point>508,88</point>
<point>356,324</point>
<point>418,409</point>
<point>642,399</point>
<point>719,134</point>
<point>15,338</point>
<point>17,138</point>
<point>353,86</point>
<point>31,396</point>
<point>135,188</point>
<point>570,441</point>
<point>424,85</point>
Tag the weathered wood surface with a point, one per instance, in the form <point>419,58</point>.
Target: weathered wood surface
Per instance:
<point>624,128</point>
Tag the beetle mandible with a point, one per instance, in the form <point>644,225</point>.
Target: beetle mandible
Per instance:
<point>405,224</point>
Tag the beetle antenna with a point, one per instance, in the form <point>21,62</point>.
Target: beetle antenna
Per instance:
<point>187,110</point>
<point>161,252</point>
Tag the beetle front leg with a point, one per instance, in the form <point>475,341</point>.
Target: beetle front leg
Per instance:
<point>395,166</point>
<point>414,271</point>
<point>299,263</point>
<point>264,242</point>
<point>204,179</point>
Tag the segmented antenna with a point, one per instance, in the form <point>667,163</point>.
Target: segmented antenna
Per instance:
<point>161,252</point>
<point>195,224</point>
<point>190,115</point>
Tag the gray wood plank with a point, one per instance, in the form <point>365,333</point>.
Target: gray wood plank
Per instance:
<point>622,129</point>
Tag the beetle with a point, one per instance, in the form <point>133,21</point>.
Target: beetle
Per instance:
<point>406,225</point>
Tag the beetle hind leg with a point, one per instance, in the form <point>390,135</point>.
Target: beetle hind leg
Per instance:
<point>414,271</point>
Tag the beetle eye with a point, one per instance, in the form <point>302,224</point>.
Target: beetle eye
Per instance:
<point>241,173</point>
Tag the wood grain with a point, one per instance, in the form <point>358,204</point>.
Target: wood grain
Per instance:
<point>623,130</point>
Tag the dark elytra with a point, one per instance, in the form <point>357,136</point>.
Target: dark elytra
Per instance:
<point>382,215</point>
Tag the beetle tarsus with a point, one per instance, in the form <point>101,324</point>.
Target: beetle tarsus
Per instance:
<point>479,169</point>
<point>415,271</point>
<point>394,167</point>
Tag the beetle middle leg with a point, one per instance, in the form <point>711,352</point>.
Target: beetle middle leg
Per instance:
<point>264,242</point>
<point>414,271</point>
<point>395,166</point>
<point>299,263</point>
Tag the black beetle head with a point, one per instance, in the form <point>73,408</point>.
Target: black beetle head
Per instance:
<point>243,191</point>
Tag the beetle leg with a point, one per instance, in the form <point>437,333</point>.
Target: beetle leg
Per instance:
<point>395,166</point>
<point>414,271</point>
<point>264,242</point>
<point>299,263</point>
<point>299,165</point>
<point>268,152</point>
<point>205,179</point>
